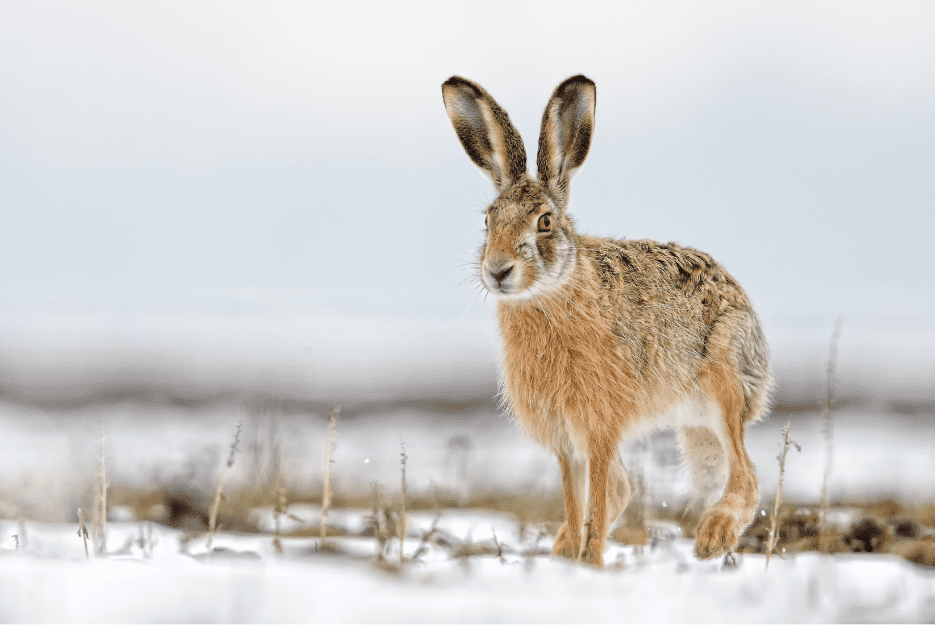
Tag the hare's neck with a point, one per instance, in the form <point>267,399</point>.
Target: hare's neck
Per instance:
<point>555,320</point>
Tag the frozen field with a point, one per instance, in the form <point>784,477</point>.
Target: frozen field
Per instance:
<point>460,565</point>
<point>153,574</point>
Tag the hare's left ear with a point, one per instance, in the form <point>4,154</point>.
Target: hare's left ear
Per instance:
<point>567,126</point>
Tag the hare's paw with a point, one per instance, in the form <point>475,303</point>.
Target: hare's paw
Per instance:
<point>592,554</point>
<point>593,550</point>
<point>717,534</point>
<point>567,543</point>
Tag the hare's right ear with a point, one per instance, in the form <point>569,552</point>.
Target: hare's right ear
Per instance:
<point>485,132</point>
<point>565,138</point>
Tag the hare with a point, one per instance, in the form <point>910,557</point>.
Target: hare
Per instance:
<point>605,339</point>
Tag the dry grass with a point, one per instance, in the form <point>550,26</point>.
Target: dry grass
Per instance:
<point>329,460</point>
<point>823,531</point>
<point>402,513</point>
<point>83,533</point>
<point>219,494</point>
<point>878,527</point>
<point>99,528</point>
<point>786,443</point>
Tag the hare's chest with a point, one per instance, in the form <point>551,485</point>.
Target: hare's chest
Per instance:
<point>560,377</point>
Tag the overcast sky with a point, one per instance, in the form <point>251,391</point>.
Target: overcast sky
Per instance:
<point>302,149</point>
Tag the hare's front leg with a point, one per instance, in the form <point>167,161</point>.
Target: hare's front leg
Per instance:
<point>597,524</point>
<point>568,539</point>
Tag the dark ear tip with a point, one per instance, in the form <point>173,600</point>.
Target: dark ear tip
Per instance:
<point>458,82</point>
<point>577,80</point>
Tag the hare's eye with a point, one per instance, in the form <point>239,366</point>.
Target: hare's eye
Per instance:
<point>485,221</point>
<point>545,223</point>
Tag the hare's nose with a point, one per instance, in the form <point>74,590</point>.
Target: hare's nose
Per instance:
<point>501,275</point>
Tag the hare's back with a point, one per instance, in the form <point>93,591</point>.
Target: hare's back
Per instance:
<point>671,304</point>
<point>651,275</point>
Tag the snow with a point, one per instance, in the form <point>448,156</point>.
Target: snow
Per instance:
<point>243,580</point>
<point>154,573</point>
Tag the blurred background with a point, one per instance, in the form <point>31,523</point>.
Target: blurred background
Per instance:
<point>206,205</point>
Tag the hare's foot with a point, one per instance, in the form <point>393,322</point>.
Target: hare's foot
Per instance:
<point>717,534</point>
<point>567,543</point>
<point>593,550</point>
<point>592,554</point>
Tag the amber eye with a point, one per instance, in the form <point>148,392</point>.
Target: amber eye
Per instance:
<point>545,223</point>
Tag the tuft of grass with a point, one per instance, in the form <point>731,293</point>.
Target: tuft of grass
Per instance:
<point>218,495</point>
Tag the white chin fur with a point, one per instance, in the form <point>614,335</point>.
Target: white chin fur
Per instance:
<point>507,289</point>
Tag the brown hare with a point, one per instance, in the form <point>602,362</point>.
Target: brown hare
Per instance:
<point>605,339</point>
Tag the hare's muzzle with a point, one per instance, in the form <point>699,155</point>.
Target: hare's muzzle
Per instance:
<point>499,277</point>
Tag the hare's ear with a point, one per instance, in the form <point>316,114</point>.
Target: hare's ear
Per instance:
<point>485,132</point>
<point>567,126</point>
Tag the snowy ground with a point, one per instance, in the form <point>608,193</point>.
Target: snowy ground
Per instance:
<point>153,575</point>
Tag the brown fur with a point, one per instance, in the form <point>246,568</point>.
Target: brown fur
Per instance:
<point>603,337</point>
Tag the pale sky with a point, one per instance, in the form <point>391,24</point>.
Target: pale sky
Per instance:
<point>259,149</point>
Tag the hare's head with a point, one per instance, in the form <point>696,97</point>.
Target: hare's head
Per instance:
<point>531,244</point>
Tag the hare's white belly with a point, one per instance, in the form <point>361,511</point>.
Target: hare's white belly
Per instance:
<point>693,411</point>
<point>696,410</point>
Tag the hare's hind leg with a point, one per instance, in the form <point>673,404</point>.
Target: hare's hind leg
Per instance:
<point>707,463</point>
<point>721,524</point>
<point>619,490</point>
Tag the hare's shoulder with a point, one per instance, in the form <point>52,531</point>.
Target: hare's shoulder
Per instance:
<point>651,265</point>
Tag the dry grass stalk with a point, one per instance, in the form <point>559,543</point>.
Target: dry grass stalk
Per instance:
<point>100,500</point>
<point>402,512</point>
<point>824,534</point>
<point>427,537</point>
<point>146,539</point>
<point>381,530</point>
<point>326,480</point>
<point>282,506</point>
<point>774,516</point>
<point>83,533</point>
<point>279,488</point>
<point>216,504</point>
